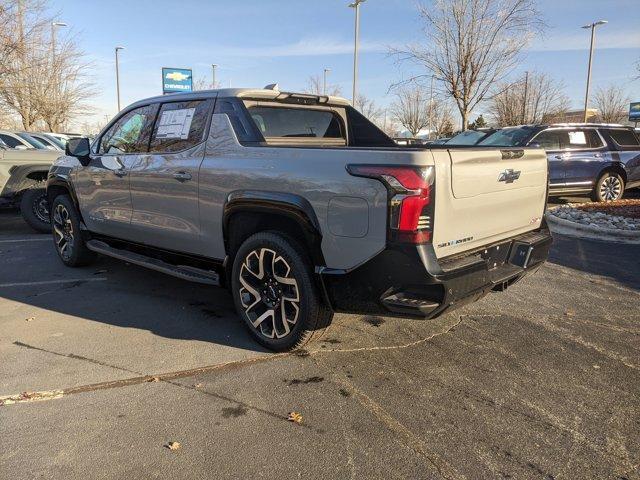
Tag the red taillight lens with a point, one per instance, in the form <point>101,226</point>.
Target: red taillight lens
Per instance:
<point>410,212</point>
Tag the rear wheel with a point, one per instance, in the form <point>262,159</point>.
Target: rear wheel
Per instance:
<point>609,187</point>
<point>68,240</point>
<point>34,207</point>
<point>275,294</point>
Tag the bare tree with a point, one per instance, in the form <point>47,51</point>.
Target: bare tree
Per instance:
<point>315,85</point>
<point>40,84</point>
<point>472,44</point>
<point>441,118</point>
<point>612,104</point>
<point>411,108</point>
<point>528,100</point>
<point>368,108</point>
<point>202,83</point>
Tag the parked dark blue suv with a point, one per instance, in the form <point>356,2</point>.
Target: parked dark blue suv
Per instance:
<point>597,159</point>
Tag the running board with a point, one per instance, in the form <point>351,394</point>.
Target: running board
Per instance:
<point>184,272</point>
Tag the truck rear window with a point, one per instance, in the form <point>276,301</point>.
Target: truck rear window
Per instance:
<point>300,123</point>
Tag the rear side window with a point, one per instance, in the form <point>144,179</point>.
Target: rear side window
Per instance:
<point>234,109</point>
<point>624,138</point>
<point>180,125</point>
<point>285,122</point>
<point>130,133</point>
<point>364,133</point>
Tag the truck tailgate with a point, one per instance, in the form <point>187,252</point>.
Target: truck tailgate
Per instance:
<point>484,196</point>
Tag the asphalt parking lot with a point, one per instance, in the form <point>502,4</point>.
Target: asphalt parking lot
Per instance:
<point>541,381</point>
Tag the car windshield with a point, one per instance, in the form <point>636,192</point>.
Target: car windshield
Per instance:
<point>32,141</point>
<point>468,137</point>
<point>508,137</point>
<point>55,141</point>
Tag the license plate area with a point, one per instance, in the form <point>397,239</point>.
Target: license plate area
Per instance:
<point>496,255</point>
<point>520,254</point>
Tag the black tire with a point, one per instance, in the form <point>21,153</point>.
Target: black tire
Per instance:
<point>284,285</point>
<point>609,187</point>
<point>67,237</point>
<point>34,207</point>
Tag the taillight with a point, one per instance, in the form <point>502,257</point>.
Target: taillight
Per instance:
<point>410,199</point>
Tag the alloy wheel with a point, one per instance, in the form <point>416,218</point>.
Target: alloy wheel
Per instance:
<point>269,293</point>
<point>611,188</point>
<point>63,231</point>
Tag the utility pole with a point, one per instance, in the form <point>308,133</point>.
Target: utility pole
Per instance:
<point>431,108</point>
<point>592,26</point>
<point>524,102</point>
<point>213,75</point>
<point>356,6</point>
<point>324,81</point>
<point>53,38</point>
<point>118,76</point>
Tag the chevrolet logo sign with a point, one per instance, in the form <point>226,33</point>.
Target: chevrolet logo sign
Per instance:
<point>509,175</point>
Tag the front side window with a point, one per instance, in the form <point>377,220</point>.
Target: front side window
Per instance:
<point>180,125</point>
<point>286,122</point>
<point>130,133</point>
<point>624,138</point>
<point>11,141</point>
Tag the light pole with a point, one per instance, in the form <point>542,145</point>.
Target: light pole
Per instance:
<point>213,75</point>
<point>592,26</point>
<point>118,76</point>
<point>526,93</point>
<point>53,37</point>
<point>431,108</point>
<point>356,6</point>
<point>324,80</point>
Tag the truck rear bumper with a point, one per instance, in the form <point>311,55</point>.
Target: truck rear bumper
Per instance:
<point>408,281</point>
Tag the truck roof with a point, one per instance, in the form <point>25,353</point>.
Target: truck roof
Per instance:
<point>249,93</point>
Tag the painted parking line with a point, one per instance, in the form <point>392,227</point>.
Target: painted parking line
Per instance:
<point>52,282</point>
<point>16,240</point>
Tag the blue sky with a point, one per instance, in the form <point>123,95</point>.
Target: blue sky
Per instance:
<point>256,42</point>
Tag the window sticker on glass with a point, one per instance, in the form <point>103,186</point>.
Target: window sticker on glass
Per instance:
<point>577,138</point>
<point>175,123</point>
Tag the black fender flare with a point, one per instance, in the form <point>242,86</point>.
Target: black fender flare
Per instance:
<point>23,177</point>
<point>60,176</point>
<point>292,206</point>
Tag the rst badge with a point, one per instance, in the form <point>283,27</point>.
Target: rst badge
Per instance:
<point>509,175</point>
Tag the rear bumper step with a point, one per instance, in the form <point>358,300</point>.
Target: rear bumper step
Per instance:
<point>184,272</point>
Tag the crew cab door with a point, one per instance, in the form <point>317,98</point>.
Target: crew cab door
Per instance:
<point>102,186</point>
<point>164,182</point>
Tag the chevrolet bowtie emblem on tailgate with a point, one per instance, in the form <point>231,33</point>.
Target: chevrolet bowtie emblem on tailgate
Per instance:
<point>509,175</point>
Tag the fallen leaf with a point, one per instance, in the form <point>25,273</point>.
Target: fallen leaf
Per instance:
<point>295,417</point>
<point>30,319</point>
<point>597,367</point>
<point>153,379</point>
<point>173,445</point>
<point>198,385</point>
<point>570,313</point>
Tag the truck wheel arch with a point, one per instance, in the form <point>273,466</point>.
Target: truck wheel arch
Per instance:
<point>263,210</point>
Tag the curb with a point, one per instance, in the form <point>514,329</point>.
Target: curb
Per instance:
<point>573,229</point>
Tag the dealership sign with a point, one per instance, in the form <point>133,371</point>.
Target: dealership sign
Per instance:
<point>634,112</point>
<point>177,80</point>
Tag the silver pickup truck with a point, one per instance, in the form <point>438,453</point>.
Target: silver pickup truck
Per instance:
<point>22,183</point>
<point>301,206</point>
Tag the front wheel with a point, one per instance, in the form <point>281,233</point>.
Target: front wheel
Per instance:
<point>69,243</point>
<point>275,294</point>
<point>34,208</point>
<point>609,187</point>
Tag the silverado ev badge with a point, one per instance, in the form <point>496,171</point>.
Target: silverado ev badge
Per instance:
<point>509,175</point>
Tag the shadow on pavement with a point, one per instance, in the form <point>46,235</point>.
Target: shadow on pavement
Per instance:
<point>617,261</point>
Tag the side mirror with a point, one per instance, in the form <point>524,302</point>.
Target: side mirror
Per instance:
<point>79,148</point>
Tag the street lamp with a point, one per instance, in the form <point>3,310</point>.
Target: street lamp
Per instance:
<point>213,75</point>
<point>324,81</point>
<point>118,76</point>
<point>53,36</point>
<point>356,6</point>
<point>592,26</point>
